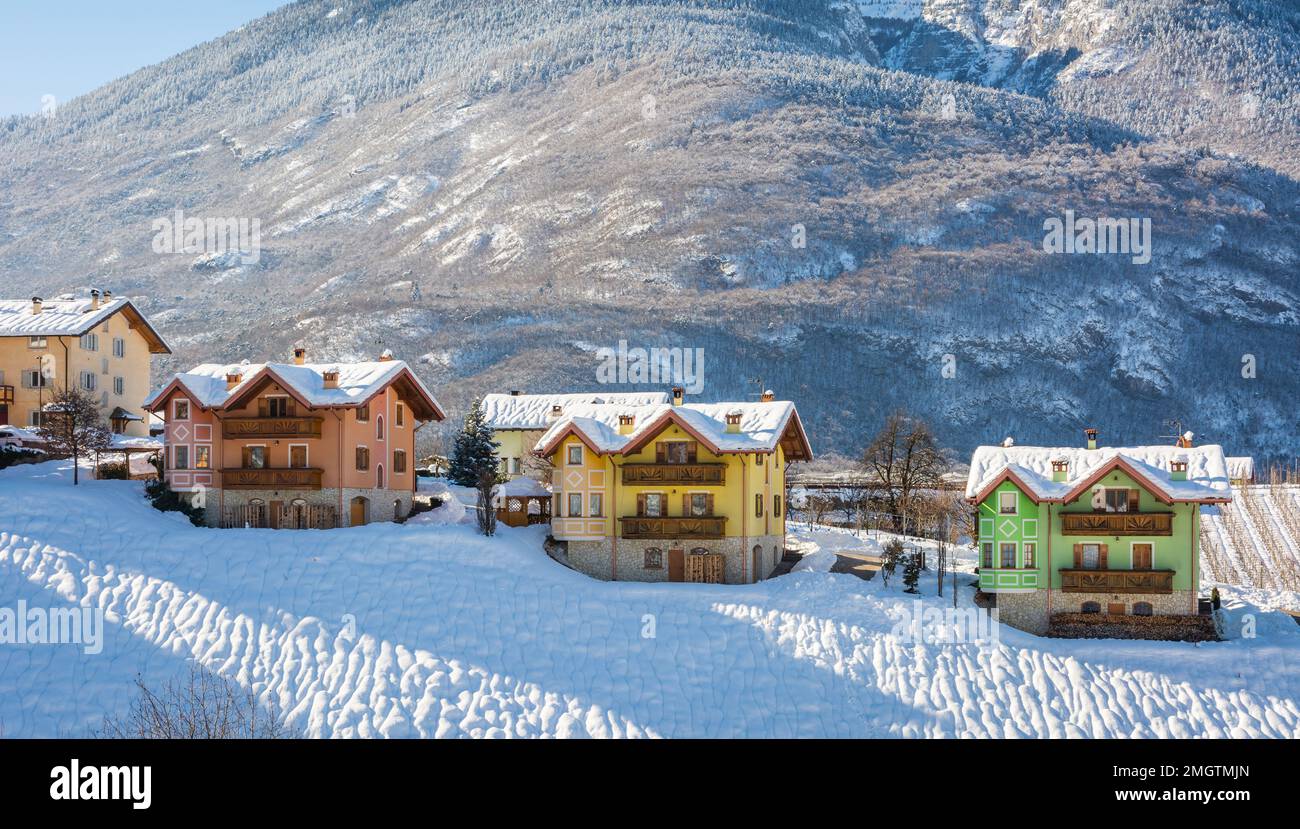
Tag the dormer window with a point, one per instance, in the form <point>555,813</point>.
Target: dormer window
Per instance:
<point>1008,503</point>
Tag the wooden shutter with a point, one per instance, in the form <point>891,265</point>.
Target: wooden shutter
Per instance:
<point>640,505</point>
<point>1101,558</point>
<point>708,503</point>
<point>1132,500</point>
<point>1078,556</point>
<point>661,452</point>
<point>692,451</point>
<point>686,504</point>
<point>263,407</point>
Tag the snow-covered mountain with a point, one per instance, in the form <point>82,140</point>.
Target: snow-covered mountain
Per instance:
<point>498,190</point>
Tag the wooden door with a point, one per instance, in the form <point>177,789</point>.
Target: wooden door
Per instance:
<point>4,415</point>
<point>1115,609</point>
<point>677,565</point>
<point>1142,556</point>
<point>276,508</point>
<point>758,563</point>
<point>359,511</point>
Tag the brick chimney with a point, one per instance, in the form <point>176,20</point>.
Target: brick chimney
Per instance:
<point>94,299</point>
<point>733,422</point>
<point>1091,435</point>
<point>331,378</point>
<point>299,356</point>
<point>678,394</point>
<point>233,378</point>
<point>36,305</point>
<point>768,396</point>
<point>626,424</point>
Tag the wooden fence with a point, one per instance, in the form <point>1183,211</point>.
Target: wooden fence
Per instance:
<point>289,517</point>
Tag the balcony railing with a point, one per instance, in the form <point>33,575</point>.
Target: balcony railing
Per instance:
<point>1117,581</point>
<point>271,478</point>
<point>6,395</point>
<point>1117,523</point>
<point>674,473</point>
<point>702,527</point>
<point>271,427</point>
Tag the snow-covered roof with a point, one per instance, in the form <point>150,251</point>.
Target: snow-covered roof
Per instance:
<point>1241,467</point>
<point>1031,467</point>
<point>522,486</point>
<point>762,426</point>
<point>357,382</point>
<point>533,411</point>
<point>121,442</point>
<point>68,317</point>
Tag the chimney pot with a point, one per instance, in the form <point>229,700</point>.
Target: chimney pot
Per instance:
<point>1091,435</point>
<point>233,379</point>
<point>387,356</point>
<point>36,305</point>
<point>678,394</point>
<point>331,377</point>
<point>556,411</point>
<point>768,396</point>
<point>515,392</point>
<point>94,299</point>
<point>299,356</point>
<point>733,422</point>
<point>107,296</point>
<point>626,424</point>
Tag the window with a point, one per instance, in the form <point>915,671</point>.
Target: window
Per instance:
<point>298,456</point>
<point>776,506</point>
<point>89,342</point>
<point>379,428</point>
<point>379,476</point>
<point>36,342</point>
<point>677,451</point>
<point>119,386</point>
<point>363,458</point>
<point>34,379</point>
<point>986,554</point>
<point>698,504</point>
<point>1008,554</point>
<point>399,462</point>
<point>1007,503</point>
<point>1120,500</point>
<point>758,505</point>
<point>181,410</point>
<point>575,504</point>
<point>652,505</point>
<point>35,419</point>
<point>255,457</point>
<point>654,558</point>
<point>180,457</point>
<point>1090,607</point>
<point>1142,609</point>
<point>103,367</point>
<point>119,347</point>
<point>1091,556</point>
<point>202,457</point>
<point>363,414</point>
<point>1142,556</point>
<point>575,454</point>
<point>1030,553</point>
<point>277,407</point>
<point>597,504</point>
<point>514,466</point>
<point>89,381</point>
<point>399,416</point>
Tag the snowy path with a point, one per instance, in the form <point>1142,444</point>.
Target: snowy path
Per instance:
<point>456,635</point>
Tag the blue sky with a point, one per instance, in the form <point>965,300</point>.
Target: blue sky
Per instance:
<point>65,48</point>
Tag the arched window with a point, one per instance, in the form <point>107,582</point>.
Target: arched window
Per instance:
<point>379,428</point>
<point>379,476</point>
<point>1090,607</point>
<point>298,514</point>
<point>1142,609</point>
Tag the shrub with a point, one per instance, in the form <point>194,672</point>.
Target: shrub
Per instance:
<point>165,500</point>
<point>201,706</point>
<point>113,471</point>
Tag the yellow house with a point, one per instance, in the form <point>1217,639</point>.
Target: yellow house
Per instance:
<point>673,491</point>
<point>99,344</point>
<point>519,419</point>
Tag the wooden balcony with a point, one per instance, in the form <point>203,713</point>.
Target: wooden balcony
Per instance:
<point>703,527</point>
<point>1117,581</point>
<point>1117,523</point>
<point>236,428</point>
<point>271,478</point>
<point>6,395</point>
<point>675,473</point>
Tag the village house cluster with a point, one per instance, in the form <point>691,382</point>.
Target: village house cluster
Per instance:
<point>641,486</point>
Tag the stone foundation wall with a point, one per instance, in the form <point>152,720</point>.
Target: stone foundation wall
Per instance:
<point>594,557</point>
<point>385,504</point>
<point>1028,611</point>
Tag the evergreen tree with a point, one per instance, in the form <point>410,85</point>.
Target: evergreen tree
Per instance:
<point>912,573</point>
<point>475,449</point>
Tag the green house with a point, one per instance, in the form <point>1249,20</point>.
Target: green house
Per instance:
<point>1110,531</point>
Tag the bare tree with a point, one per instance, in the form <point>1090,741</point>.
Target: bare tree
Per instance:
<point>73,427</point>
<point>905,458</point>
<point>487,513</point>
<point>202,706</point>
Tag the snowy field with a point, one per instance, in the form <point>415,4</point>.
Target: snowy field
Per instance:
<point>427,629</point>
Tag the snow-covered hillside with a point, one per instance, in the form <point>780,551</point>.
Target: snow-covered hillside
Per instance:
<point>431,630</point>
